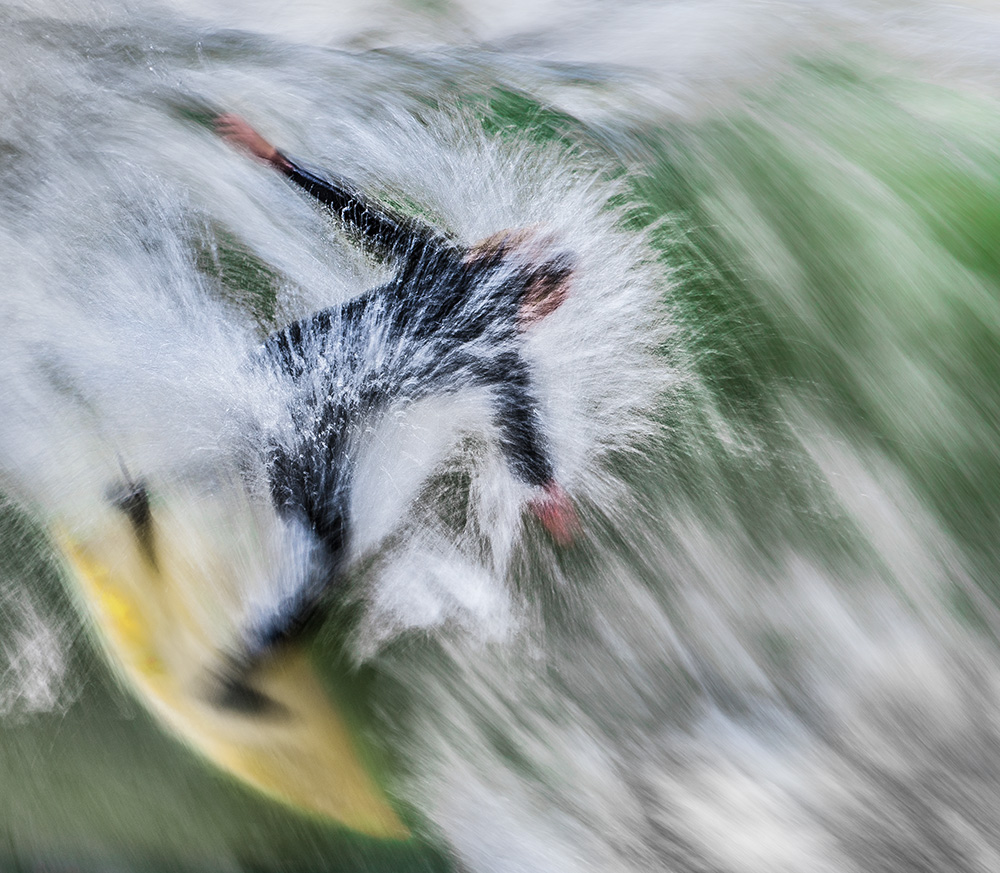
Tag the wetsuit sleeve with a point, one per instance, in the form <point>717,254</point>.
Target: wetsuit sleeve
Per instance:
<point>515,413</point>
<point>389,234</point>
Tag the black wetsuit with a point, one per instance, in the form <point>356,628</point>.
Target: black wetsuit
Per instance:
<point>444,322</point>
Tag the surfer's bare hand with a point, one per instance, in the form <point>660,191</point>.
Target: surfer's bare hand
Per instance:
<point>237,131</point>
<point>556,512</point>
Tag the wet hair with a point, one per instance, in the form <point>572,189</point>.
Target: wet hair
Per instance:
<point>535,253</point>
<point>552,272</point>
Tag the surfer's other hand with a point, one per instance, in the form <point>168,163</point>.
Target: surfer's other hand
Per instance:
<point>237,131</point>
<point>556,512</point>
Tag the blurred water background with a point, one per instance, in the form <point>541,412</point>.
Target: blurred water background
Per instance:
<point>773,395</point>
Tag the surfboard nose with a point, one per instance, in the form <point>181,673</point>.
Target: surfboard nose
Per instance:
<point>160,623</point>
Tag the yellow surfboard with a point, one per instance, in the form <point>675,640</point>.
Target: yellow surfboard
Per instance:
<point>164,611</point>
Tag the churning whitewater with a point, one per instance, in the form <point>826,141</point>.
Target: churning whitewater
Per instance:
<point>771,395</point>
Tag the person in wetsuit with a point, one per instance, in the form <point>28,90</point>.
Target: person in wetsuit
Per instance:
<point>450,318</point>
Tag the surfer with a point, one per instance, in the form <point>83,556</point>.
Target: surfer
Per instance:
<point>451,317</point>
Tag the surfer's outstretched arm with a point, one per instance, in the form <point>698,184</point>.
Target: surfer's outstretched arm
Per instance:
<point>515,414</point>
<point>387,233</point>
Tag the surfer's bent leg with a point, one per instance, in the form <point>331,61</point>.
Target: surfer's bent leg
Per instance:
<point>287,619</point>
<point>312,497</point>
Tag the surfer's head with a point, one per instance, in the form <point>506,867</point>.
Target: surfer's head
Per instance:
<point>544,267</point>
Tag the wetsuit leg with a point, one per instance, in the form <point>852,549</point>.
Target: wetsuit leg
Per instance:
<point>321,522</point>
<point>308,499</point>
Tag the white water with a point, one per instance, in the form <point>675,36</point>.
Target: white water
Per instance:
<point>682,691</point>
